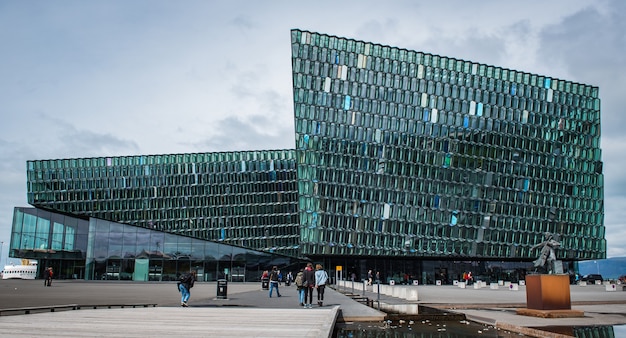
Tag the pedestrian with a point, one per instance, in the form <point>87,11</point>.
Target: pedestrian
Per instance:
<point>48,275</point>
<point>185,283</point>
<point>321,278</point>
<point>309,284</point>
<point>299,281</point>
<point>274,279</point>
<point>370,277</point>
<point>289,279</point>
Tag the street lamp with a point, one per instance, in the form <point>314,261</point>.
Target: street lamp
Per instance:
<point>1,248</point>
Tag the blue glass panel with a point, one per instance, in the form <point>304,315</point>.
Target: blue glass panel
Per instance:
<point>454,218</point>
<point>306,142</point>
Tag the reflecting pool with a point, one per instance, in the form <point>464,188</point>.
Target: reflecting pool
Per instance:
<point>460,329</point>
<point>588,331</point>
<point>420,328</point>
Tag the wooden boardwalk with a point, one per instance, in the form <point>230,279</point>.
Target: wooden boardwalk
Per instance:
<point>173,322</point>
<point>126,309</point>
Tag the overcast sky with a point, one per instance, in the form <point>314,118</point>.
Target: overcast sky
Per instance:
<point>112,78</point>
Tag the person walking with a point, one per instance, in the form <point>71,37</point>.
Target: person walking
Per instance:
<point>299,281</point>
<point>274,279</point>
<point>309,284</point>
<point>186,282</point>
<point>48,273</point>
<point>321,278</point>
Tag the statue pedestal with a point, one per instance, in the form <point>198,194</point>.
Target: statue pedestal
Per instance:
<point>548,296</point>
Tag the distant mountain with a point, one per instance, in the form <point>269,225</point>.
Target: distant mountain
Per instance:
<point>610,268</point>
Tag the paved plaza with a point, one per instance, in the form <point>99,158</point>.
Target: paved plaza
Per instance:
<point>137,309</point>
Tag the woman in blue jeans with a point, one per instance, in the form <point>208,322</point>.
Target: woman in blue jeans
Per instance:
<point>274,280</point>
<point>299,281</point>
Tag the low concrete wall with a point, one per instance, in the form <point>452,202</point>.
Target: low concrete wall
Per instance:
<point>408,292</point>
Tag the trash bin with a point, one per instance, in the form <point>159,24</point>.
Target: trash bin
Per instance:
<point>222,289</point>
<point>265,283</point>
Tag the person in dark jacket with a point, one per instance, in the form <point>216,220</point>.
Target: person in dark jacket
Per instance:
<point>184,286</point>
<point>48,273</point>
<point>274,281</point>
<point>309,285</point>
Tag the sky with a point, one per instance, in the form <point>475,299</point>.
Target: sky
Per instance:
<point>115,78</point>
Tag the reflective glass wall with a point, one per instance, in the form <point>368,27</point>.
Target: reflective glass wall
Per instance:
<point>241,198</point>
<point>404,153</point>
<point>50,239</point>
<point>100,249</point>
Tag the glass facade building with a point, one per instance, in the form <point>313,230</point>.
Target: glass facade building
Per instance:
<point>241,198</point>
<point>95,249</point>
<point>403,153</point>
<point>407,163</point>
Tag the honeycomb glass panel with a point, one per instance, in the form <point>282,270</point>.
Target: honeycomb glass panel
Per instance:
<point>501,114</point>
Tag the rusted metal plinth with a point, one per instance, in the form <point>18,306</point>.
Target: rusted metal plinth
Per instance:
<point>548,296</point>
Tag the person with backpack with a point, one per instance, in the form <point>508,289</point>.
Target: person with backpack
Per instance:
<point>299,281</point>
<point>309,284</point>
<point>321,278</point>
<point>185,283</point>
<point>274,279</point>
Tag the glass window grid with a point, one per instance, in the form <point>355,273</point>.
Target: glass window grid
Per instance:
<point>522,98</point>
<point>253,194</point>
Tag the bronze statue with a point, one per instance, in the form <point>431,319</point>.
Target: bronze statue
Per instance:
<point>548,256</point>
